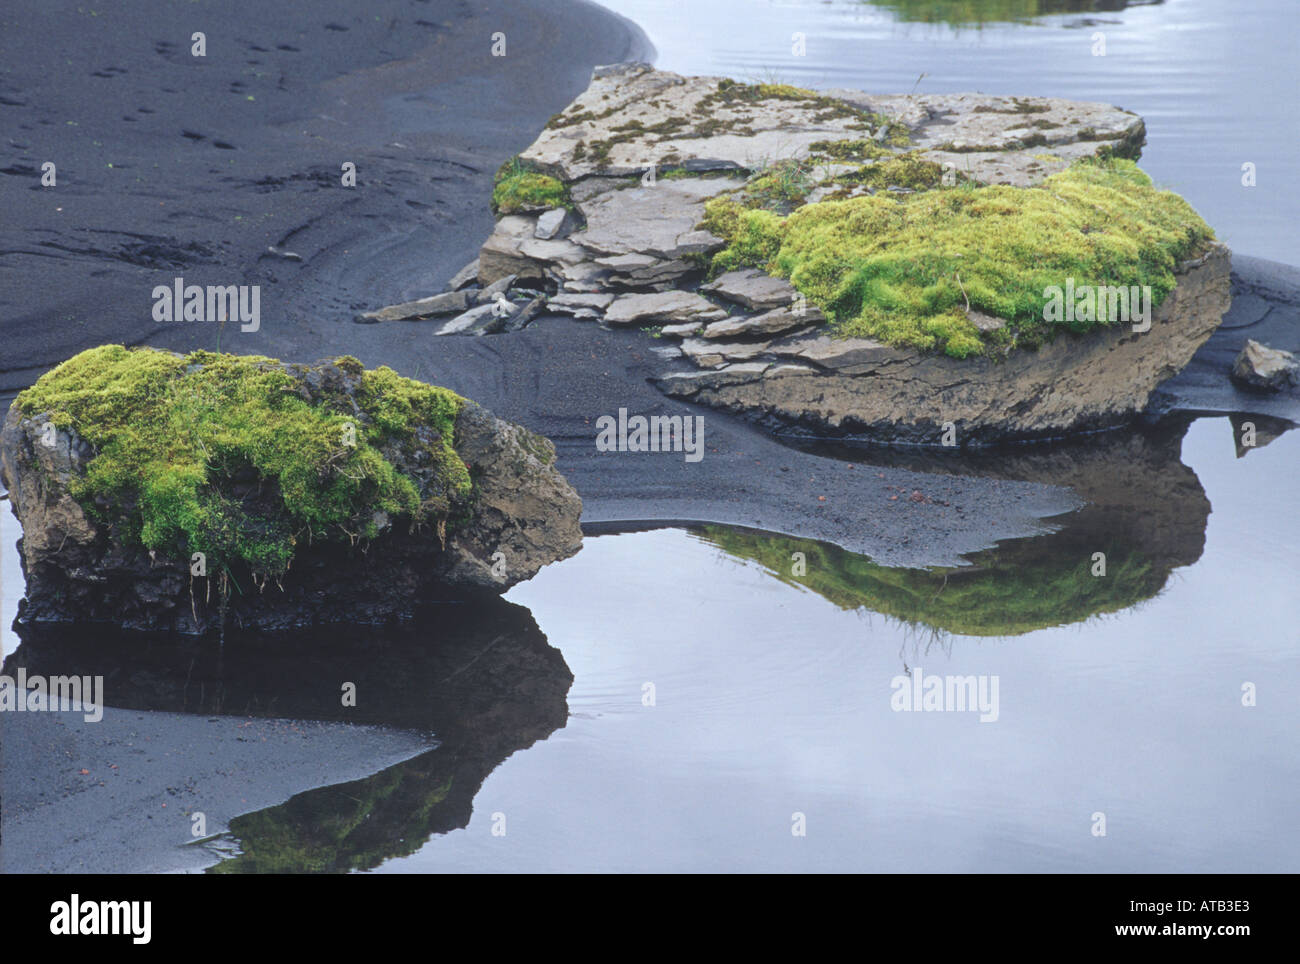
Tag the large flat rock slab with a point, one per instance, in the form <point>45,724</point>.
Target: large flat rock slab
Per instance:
<point>633,117</point>
<point>659,219</point>
<point>666,308</point>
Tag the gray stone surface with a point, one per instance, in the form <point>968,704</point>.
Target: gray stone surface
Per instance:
<point>709,354</point>
<point>580,305</point>
<point>447,303</point>
<point>849,356</point>
<point>1265,369</point>
<point>775,322</point>
<point>464,277</point>
<point>551,224</point>
<point>632,117</point>
<point>641,270</point>
<point>663,308</point>
<point>752,288</point>
<point>479,320</point>
<point>684,330</point>
<point>659,220</point>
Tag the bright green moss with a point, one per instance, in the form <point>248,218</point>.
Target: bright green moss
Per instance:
<point>232,457</point>
<point>960,13</point>
<point>1021,586</point>
<point>849,150</point>
<point>898,170</point>
<point>517,188</point>
<point>784,92</point>
<point>780,185</point>
<point>903,269</point>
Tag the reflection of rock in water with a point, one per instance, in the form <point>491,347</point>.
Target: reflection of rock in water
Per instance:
<point>482,677</point>
<point>1145,510</point>
<point>1251,432</point>
<point>959,13</point>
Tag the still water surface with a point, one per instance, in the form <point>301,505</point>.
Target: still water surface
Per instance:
<point>770,699</point>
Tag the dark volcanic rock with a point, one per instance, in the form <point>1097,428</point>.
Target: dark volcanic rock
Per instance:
<point>1265,369</point>
<point>82,562</point>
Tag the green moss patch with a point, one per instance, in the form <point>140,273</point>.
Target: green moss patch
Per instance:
<point>908,171</point>
<point>960,13</point>
<point>518,188</point>
<point>779,186</point>
<point>848,150</point>
<point>243,457</point>
<point>905,269</point>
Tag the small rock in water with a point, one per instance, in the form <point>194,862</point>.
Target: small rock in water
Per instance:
<point>1265,369</point>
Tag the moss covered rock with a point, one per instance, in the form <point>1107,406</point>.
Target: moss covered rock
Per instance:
<point>968,267</point>
<point>908,270</point>
<point>168,491</point>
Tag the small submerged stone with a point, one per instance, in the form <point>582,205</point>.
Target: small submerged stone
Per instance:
<point>1263,369</point>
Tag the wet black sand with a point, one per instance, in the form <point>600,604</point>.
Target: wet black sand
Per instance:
<point>147,774</point>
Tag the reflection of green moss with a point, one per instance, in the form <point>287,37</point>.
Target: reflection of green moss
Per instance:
<point>353,826</point>
<point>973,12</point>
<point>1020,586</point>
<point>904,269</point>
<point>228,456</point>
